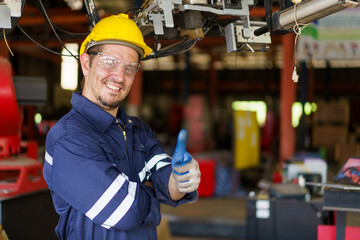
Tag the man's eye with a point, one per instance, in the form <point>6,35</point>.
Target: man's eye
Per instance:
<point>110,62</point>
<point>130,69</point>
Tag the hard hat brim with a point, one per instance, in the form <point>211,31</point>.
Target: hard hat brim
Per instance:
<point>128,44</point>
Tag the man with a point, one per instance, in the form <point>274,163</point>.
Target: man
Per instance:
<point>106,171</point>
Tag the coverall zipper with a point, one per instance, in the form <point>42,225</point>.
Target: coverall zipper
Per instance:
<point>124,133</point>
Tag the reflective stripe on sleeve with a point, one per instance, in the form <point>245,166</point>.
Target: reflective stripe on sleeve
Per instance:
<point>106,197</point>
<point>161,164</point>
<point>123,208</point>
<point>48,158</point>
<point>151,163</point>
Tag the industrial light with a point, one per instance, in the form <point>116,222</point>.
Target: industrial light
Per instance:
<point>257,106</point>
<point>37,118</point>
<point>313,107</point>
<point>298,110</point>
<point>307,108</point>
<point>69,68</point>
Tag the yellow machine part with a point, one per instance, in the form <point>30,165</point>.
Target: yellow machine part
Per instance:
<point>247,140</point>
<point>3,235</point>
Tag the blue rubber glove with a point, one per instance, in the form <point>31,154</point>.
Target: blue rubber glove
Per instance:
<point>181,156</point>
<point>186,169</point>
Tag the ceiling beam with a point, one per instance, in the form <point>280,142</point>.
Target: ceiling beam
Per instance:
<point>61,20</point>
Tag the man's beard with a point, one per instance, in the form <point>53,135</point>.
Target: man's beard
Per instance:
<point>109,105</point>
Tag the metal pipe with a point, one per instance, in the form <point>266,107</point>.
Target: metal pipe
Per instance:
<point>311,10</point>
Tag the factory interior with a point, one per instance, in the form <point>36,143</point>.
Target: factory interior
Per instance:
<point>273,119</point>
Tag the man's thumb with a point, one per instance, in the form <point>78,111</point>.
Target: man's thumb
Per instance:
<point>180,148</point>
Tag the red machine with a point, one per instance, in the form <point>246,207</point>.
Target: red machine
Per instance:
<point>20,171</point>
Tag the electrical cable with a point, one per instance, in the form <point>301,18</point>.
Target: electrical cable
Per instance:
<point>191,45</point>
<point>221,28</point>
<point>59,28</point>
<point>182,46</point>
<point>297,30</point>
<point>145,4</point>
<point>253,6</point>
<point>250,49</point>
<point>7,45</point>
<point>157,46</point>
<point>173,49</point>
<point>236,59</point>
<point>211,24</point>
<point>132,9</point>
<point>71,33</point>
<point>92,12</point>
<point>41,46</point>
<point>52,27</point>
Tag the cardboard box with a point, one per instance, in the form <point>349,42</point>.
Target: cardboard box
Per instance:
<point>328,135</point>
<point>332,113</point>
<point>343,151</point>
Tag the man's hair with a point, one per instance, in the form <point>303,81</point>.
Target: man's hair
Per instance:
<point>92,52</point>
<point>95,49</point>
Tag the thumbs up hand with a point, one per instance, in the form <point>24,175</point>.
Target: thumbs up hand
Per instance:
<point>185,168</point>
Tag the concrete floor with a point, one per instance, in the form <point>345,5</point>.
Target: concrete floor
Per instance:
<point>207,218</point>
<point>212,219</point>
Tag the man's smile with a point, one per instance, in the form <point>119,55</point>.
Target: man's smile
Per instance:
<point>112,87</point>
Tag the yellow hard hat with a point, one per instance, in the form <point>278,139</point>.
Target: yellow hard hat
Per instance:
<point>116,29</point>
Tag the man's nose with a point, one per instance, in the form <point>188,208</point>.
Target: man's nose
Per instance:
<point>119,73</point>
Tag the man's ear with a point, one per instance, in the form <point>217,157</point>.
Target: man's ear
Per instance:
<point>85,63</point>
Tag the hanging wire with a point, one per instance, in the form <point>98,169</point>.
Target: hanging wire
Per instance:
<point>236,54</point>
<point>253,6</point>
<point>297,28</point>
<point>221,28</point>
<point>182,46</point>
<point>7,45</point>
<point>43,12</point>
<point>41,46</point>
<point>207,26</point>
<point>52,27</point>
<point>70,33</point>
<point>173,49</point>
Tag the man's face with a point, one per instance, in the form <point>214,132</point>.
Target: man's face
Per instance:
<point>104,86</point>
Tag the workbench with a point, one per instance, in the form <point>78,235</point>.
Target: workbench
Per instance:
<point>29,216</point>
<point>283,219</point>
<point>341,201</point>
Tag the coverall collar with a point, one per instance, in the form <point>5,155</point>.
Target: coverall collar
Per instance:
<point>98,116</point>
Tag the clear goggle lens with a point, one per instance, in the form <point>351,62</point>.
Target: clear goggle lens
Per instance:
<point>112,64</point>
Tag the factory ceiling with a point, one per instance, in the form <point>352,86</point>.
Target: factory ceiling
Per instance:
<point>70,22</point>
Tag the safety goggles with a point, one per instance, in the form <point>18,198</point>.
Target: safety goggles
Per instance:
<point>112,64</point>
